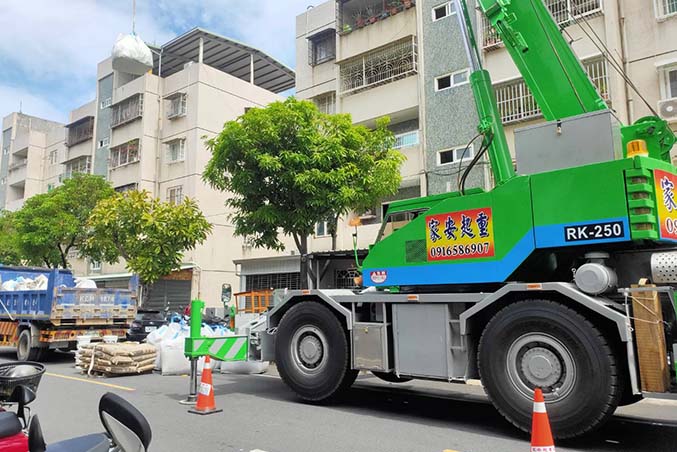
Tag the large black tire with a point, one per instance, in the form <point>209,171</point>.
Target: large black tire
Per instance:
<point>391,377</point>
<point>540,343</point>
<point>25,351</point>
<point>312,353</point>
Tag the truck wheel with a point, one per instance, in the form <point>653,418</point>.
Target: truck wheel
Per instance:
<point>311,351</point>
<point>540,343</point>
<point>391,377</point>
<point>24,347</point>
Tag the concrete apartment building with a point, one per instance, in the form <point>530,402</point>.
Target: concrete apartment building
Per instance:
<point>148,132</point>
<point>32,152</point>
<point>365,58</point>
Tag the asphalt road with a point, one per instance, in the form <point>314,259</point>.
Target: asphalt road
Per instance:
<point>261,414</point>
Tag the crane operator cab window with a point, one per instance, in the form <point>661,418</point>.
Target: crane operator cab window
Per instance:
<point>395,220</point>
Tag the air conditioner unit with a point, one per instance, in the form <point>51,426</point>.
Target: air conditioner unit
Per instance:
<point>667,109</point>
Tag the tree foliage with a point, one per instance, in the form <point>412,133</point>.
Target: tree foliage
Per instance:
<point>149,234</point>
<point>288,166</point>
<point>10,253</point>
<point>49,225</point>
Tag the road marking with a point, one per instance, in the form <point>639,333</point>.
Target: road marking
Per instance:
<point>85,380</point>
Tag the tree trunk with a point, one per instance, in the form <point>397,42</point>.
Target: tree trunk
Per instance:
<point>302,245</point>
<point>333,227</point>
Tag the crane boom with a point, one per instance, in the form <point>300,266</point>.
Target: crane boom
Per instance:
<point>551,70</point>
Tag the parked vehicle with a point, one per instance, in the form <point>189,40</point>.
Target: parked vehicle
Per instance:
<point>52,316</point>
<point>145,322</point>
<point>539,282</point>
<point>126,429</point>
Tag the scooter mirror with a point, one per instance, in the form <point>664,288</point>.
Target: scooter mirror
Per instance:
<point>23,395</point>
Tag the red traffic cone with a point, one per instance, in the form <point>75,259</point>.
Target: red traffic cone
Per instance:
<point>541,435</point>
<point>205,393</point>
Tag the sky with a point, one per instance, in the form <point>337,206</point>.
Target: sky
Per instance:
<point>49,49</point>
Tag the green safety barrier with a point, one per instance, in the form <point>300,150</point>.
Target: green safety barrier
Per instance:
<point>225,348</point>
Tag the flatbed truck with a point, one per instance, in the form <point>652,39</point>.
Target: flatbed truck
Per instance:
<point>541,282</point>
<point>37,321</point>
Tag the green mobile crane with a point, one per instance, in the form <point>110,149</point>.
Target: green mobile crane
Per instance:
<point>527,285</point>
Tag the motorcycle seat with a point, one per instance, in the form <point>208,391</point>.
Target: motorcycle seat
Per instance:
<point>9,424</point>
<point>90,443</point>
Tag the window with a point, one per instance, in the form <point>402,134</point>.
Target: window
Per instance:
<point>177,105</point>
<point>127,110</point>
<point>104,142</point>
<point>396,220</point>
<point>50,187</point>
<point>3,181</point>
<point>326,103</point>
<point>53,157</point>
<point>124,154</point>
<point>407,139</point>
<point>344,278</point>
<point>322,47</point>
<point>176,150</point>
<point>321,229</point>
<point>105,103</point>
<point>516,102</point>
<point>5,150</point>
<point>175,195</point>
<point>80,131</point>
<point>666,8</point>
<point>455,79</point>
<point>124,188</point>
<point>267,281</point>
<point>447,156</point>
<point>442,11</point>
<point>95,266</point>
<point>81,165</point>
<point>668,77</point>
<point>380,66</point>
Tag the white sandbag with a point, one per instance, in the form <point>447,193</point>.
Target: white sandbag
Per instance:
<point>244,367</point>
<point>9,286</point>
<point>173,361</point>
<point>84,283</point>
<point>41,282</point>
<point>131,55</point>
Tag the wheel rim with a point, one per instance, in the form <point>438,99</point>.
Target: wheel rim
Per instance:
<point>538,360</point>
<point>309,349</point>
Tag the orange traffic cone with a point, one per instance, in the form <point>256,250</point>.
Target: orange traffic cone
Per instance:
<point>205,393</point>
<point>541,435</point>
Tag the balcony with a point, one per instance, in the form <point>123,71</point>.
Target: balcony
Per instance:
<point>383,65</point>
<point>406,140</point>
<point>17,173</point>
<point>564,12</point>
<point>80,131</point>
<point>357,14</point>
<point>127,110</point>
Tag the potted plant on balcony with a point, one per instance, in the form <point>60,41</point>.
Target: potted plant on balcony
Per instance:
<point>373,17</point>
<point>408,3</point>
<point>360,20</point>
<point>394,7</point>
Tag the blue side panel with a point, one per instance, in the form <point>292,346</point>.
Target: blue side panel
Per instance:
<point>583,233</point>
<point>461,273</point>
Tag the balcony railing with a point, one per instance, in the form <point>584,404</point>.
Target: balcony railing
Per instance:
<point>380,66</point>
<point>356,14</point>
<point>405,140</point>
<point>17,165</point>
<point>563,12</point>
<point>127,110</point>
<point>80,131</point>
<point>516,102</point>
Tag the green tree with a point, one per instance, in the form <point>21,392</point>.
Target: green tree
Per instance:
<point>288,166</point>
<point>149,234</point>
<point>50,225</point>
<point>10,253</point>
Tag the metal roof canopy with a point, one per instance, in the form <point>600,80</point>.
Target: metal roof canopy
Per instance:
<point>224,54</point>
